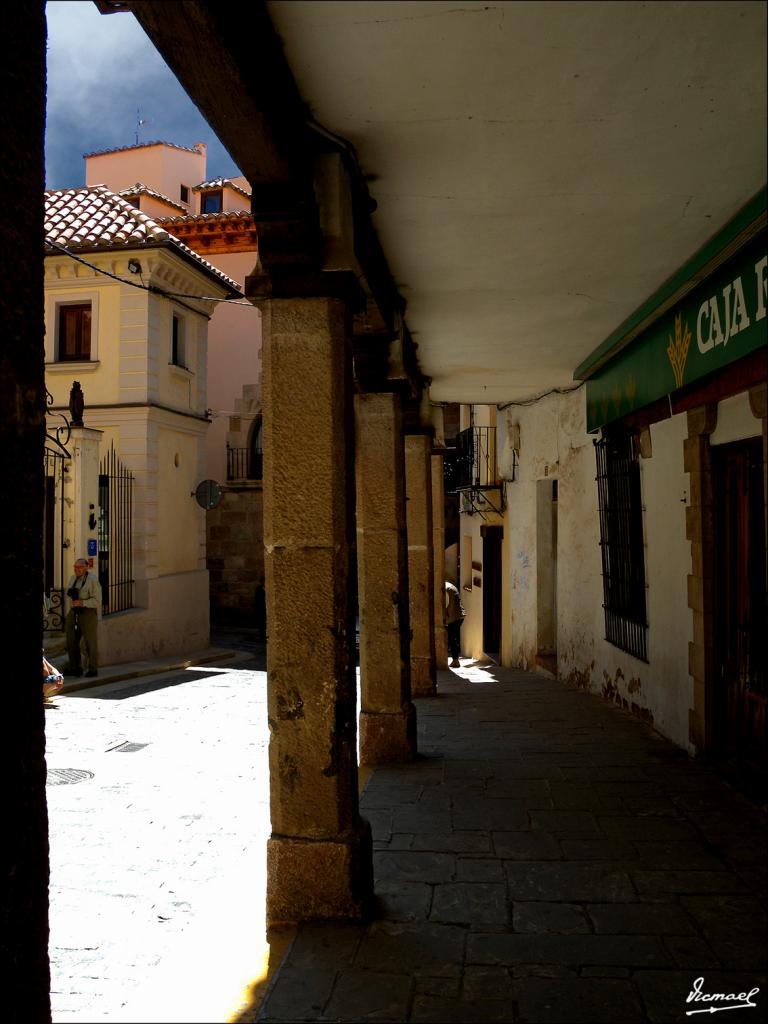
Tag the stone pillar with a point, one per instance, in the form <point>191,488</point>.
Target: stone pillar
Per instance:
<point>319,856</point>
<point>699,527</point>
<point>83,489</point>
<point>418,489</point>
<point>438,547</point>
<point>387,717</point>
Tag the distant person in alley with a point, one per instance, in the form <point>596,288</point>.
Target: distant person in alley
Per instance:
<point>454,616</point>
<point>84,593</point>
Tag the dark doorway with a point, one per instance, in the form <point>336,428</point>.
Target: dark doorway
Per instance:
<point>492,537</point>
<point>739,706</point>
<point>546,575</point>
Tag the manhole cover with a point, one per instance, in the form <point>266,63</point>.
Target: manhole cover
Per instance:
<point>126,748</point>
<point>67,776</point>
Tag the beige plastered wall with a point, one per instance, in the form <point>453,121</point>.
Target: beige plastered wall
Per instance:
<point>68,282</point>
<point>171,617</point>
<point>554,444</point>
<point>155,208</point>
<point>171,582</point>
<point>131,330</point>
<point>234,360</point>
<point>162,168</point>
<point>164,448</point>
<point>232,201</point>
<point>178,514</point>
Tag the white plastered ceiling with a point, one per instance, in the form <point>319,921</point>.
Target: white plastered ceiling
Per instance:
<point>540,168</point>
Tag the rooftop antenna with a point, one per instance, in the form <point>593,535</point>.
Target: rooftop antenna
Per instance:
<point>139,122</point>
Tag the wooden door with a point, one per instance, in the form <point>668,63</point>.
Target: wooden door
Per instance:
<point>492,536</point>
<point>740,725</point>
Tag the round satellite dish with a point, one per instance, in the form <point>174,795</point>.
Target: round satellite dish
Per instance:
<point>208,494</point>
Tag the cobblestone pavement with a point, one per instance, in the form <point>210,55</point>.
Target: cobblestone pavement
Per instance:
<point>157,853</point>
<point>548,858</point>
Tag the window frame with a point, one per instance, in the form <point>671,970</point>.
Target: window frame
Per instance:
<point>178,353</point>
<point>74,325</point>
<point>622,542</point>
<point>54,301</point>
<point>211,194</point>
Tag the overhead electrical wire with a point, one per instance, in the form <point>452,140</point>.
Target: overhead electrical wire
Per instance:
<point>147,287</point>
<point>544,394</point>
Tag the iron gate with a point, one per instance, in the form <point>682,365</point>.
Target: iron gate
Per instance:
<point>54,578</point>
<point>56,460</point>
<point>115,534</point>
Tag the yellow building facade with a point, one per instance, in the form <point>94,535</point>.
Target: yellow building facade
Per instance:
<point>126,310</point>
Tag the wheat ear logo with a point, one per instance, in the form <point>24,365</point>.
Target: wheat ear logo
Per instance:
<point>677,349</point>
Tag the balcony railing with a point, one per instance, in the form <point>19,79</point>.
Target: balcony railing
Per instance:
<point>471,465</point>
<point>244,463</point>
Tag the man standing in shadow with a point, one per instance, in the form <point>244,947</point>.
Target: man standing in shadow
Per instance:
<point>82,622</point>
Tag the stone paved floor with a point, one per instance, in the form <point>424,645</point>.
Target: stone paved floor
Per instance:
<point>547,858</point>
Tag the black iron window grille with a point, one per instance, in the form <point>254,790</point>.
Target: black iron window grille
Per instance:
<point>621,543</point>
<point>472,463</point>
<point>56,464</point>
<point>244,463</point>
<point>115,534</point>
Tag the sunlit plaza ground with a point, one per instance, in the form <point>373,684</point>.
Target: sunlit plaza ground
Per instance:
<point>157,860</point>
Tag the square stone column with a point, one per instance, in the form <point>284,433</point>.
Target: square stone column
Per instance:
<point>83,487</point>
<point>387,717</point>
<point>421,578</point>
<point>438,545</point>
<point>700,531</point>
<point>319,856</point>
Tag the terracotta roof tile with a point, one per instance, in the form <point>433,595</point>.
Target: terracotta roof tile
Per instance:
<point>205,218</point>
<point>142,145</point>
<point>221,183</point>
<point>95,219</point>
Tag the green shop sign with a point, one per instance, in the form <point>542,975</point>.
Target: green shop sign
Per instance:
<point>717,323</point>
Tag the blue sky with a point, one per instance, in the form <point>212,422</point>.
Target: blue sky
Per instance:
<point>102,69</point>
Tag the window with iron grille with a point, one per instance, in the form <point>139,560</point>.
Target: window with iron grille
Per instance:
<point>115,533</point>
<point>621,542</point>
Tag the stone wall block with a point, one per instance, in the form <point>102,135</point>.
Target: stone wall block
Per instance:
<point>696,660</point>
<point>697,559</point>
<point>695,594</point>
<point>387,732</point>
<point>305,382</point>
<point>418,477</point>
<point>387,738</point>
<point>702,420</point>
<point>379,466</point>
<point>695,489</point>
<point>438,549</point>
<point>758,401</point>
<point>319,880</point>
